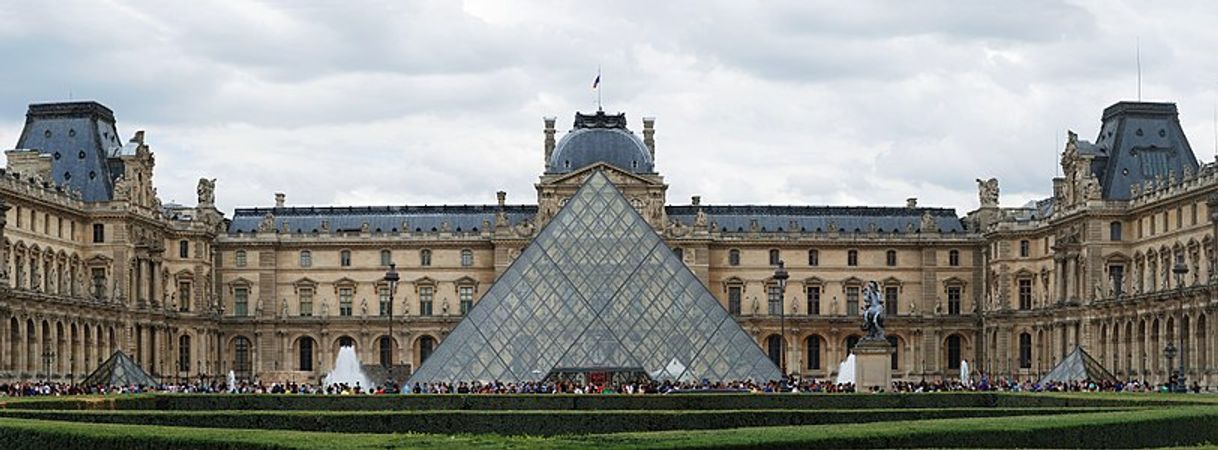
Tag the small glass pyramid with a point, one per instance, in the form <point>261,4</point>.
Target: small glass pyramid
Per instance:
<point>119,370</point>
<point>1078,366</point>
<point>597,289</point>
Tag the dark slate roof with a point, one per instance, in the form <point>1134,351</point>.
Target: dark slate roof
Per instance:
<point>80,137</point>
<point>384,218</point>
<point>1138,141</point>
<point>814,218</point>
<point>600,138</point>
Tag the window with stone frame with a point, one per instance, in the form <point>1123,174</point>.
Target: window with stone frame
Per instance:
<point>99,282</point>
<point>813,293</point>
<point>99,233</point>
<point>184,353</point>
<point>425,257</point>
<point>386,258</point>
<point>1114,231</point>
<point>733,299</point>
<point>466,296</point>
<point>306,302</point>
<point>345,299</point>
<point>467,258</point>
<point>239,256</point>
<point>890,258</point>
<point>183,249</point>
<point>852,300</point>
<point>344,258</point>
<point>813,257</point>
<point>241,301</point>
<point>953,300</point>
<point>1025,293</point>
<point>953,258</point>
<point>813,345</point>
<point>954,352</point>
<point>306,258</point>
<point>184,296</point>
<point>384,302</point>
<point>775,256</point>
<point>733,257</point>
<point>426,295</point>
<point>1025,351</point>
<point>1025,248</point>
<point>852,258</point>
<point>891,299</point>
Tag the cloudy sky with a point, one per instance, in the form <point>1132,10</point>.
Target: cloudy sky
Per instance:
<point>845,103</point>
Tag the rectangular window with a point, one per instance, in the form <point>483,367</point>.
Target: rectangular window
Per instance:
<point>1025,294</point>
<point>306,302</point>
<point>184,249</point>
<point>99,233</point>
<point>813,258</point>
<point>1025,249</point>
<point>383,293</point>
<point>774,294</point>
<point>852,300</point>
<point>466,295</point>
<point>1025,351</point>
<point>733,300</point>
<point>425,296</point>
<point>1180,217</point>
<point>344,258</point>
<point>852,258</point>
<point>890,300</point>
<point>813,300</point>
<point>1116,274</point>
<point>99,282</point>
<point>344,301</point>
<point>241,301</point>
<point>184,296</point>
<point>240,257</point>
<point>953,301</point>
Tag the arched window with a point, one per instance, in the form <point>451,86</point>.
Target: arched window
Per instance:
<point>183,249</point>
<point>344,258</point>
<point>386,258</point>
<point>890,258</point>
<point>733,257</point>
<point>425,257</point>
<point>240,258</point>
<point>813,346</point>
<point>813,257</point>
<point>774,346</point>
<point>953,258</point>
<point>953,351</point>
<point>1114,231</point>
<point>306,354</point>
<point>426,345</point>
<point>1025,351</point>
<point>346,341</point>
<point>386,350</point>
<point>852,258</point>
<point>467,258</point>
<point>241,356</point>
<point>183,353</point>
<point>306,258</point>
<point>775,256</point>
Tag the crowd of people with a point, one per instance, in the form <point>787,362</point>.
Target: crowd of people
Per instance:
<point>981,383</point>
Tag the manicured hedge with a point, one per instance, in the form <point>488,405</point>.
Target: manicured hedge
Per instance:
<point>703,402</point>
<point>539,423</point>
<point>1161,427</point>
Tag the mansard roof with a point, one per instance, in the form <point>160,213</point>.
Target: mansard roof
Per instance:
<point>80,137</point>
<point>384,218</point>
<point>1138,142</point>
<point>813,218</point>
<point>597,138</point>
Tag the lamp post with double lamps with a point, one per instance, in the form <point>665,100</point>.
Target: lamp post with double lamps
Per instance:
<point>781,276</point>
<point>1180,269</point>
<point>391,278</point>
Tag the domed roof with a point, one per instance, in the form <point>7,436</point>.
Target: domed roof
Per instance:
<point>600,138</point>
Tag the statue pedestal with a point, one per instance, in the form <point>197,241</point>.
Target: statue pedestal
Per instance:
<point>872,361</point>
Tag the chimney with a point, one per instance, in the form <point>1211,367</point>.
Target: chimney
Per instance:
<point>649,135</point>
<point>695,200</point>
<point>502,196</point>
<point>911,202</point>
<point>549,131</point>
<point>279,199</point>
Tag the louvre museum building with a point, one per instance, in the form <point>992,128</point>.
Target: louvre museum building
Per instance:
<point>599,271</point>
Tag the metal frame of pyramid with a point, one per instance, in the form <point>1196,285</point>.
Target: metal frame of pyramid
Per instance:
<point>1078,366</point>
<point>597,288</point>
<point>119,370</point>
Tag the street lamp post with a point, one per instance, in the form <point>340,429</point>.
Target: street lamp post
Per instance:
<point>391,277</point>
<point>1180,270</point>
<point>781,276</point>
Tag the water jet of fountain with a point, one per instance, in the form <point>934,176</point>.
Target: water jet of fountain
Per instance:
<point>347,370</point>
<point>845,371</point>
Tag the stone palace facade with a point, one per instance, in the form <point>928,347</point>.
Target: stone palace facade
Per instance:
<point>93,262</point>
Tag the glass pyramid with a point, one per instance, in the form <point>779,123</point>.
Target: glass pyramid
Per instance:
<point>597,288</point>
<point>1078,366</point>
<point>119,370</point>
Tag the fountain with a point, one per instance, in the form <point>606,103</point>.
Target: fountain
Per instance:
<point>964,374</point>
<point>232,381</point>
<point>347,370</point>
<point>845,371</point>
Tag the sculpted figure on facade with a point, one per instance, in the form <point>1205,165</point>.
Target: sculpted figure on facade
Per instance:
<point>987,191</point>
<point>206,191</point>
<point>267,224</point>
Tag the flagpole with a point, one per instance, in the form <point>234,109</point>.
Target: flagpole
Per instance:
<point>598,88</point>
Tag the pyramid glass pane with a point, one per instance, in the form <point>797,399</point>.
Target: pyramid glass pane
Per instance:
<point>599,290</point>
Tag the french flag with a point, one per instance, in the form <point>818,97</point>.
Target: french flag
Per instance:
<point>597,82</point>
